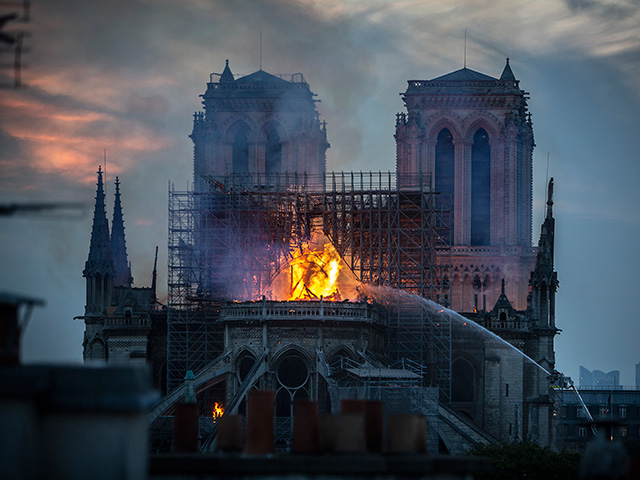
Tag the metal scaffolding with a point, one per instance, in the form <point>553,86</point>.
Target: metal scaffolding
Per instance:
<point>226,244</point>
<point>193,339</point>
<point>392,232</point>
<point>231,241</point>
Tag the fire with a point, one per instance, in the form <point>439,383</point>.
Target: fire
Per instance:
<point>313,270</point>
<point>314,274</point>
<point>218,411</point>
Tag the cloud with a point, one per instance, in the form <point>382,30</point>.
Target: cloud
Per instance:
<point>68,138</point>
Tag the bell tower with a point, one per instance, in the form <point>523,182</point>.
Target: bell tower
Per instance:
<point>470,137</point>
<point>259,128</point>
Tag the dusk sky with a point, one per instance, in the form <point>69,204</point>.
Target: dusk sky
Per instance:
<point>126,76</point>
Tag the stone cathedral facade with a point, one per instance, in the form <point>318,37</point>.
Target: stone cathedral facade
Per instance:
<point>471,136</point>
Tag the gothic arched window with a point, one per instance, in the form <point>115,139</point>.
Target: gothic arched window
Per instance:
<point>293,382</point>
<point>444,173</point>
<point>97,350</point>
<point>240,160</point>
<point>273,154</point>
<point>480,189</point>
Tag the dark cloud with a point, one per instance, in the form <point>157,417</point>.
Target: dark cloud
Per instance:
<point>608,10</point>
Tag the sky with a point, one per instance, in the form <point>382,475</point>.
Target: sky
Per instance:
<point>125,77</point>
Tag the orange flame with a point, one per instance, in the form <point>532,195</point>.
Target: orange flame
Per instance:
<point>314,274</point>
<point>218,411</point>
<point>315,269</point>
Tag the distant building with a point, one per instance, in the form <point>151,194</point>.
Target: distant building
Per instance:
<point>598,378</point>
<point>638,374</point>
<point>615,408</point>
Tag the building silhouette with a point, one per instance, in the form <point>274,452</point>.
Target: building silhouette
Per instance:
<point>598,378</point>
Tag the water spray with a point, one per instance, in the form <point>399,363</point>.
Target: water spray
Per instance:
<point>383,294</point>
<point>390,296</point>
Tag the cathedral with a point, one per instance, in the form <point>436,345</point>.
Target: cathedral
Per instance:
<point>453,225</point>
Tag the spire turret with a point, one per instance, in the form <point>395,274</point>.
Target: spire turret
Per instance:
<point>507,73</point>
<point>122,270</point>
<point>550,200</point>
<point>227,76</point>
<point>98,269</point>
<point>546,243</point>
<point>544,280</point>
<point>503,301</point>
<point>100,256</point>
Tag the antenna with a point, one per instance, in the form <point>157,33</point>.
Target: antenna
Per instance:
<point>465,48</point>
<point>260,49</point>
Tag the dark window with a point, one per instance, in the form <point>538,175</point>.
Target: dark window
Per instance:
<point>480,188</point>
<point>292,375</point>
<point>240,152</point>
<point>98,350</point>
<point>273,154</point>
<point>444,173</point>
<point>245,364</point>
<point>292,372</point>
<point>544,304</point>
<point>283,403</point>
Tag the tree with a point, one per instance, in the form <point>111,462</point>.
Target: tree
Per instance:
<point>527,460</point>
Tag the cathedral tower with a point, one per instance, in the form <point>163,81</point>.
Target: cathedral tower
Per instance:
<point>259,127</point>
<point>98,271</point>
<point>470,136</point>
